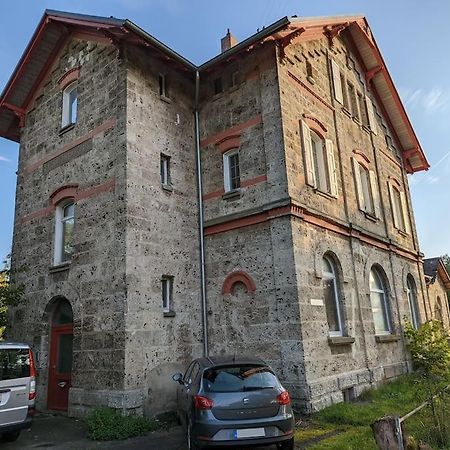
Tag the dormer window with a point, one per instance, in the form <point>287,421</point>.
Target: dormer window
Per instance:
<point>70,102</point>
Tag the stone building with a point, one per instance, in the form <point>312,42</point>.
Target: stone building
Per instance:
<point>257,203</point>
<point>437,281</point>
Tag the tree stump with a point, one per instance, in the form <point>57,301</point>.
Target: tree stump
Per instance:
<point>384,431</point>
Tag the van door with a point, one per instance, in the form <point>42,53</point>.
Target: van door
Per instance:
<point>14,385</point>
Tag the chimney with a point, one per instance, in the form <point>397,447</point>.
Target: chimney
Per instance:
<point>228,41</point>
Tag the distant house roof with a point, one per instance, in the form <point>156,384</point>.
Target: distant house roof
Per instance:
<point>55,27</point>
<point>433,267</point>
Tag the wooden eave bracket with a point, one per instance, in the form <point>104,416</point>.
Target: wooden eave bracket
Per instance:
<point>286,40</point>
<point>372,72</point>
<point>331,31</point>
<point>18,112</point>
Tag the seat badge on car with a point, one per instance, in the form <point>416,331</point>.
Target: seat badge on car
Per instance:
<point>245,401</point>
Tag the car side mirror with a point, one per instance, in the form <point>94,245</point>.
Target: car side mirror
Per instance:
<point>178,377</point>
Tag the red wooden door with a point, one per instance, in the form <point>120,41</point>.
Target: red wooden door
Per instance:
<point>60,370</point>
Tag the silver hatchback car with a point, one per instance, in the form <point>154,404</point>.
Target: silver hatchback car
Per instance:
<point>229,400</point>
<point>17,389</point>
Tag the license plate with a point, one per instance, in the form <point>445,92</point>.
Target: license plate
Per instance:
<point>249,433</point>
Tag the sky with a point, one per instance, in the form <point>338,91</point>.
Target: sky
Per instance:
<point>410,33</point>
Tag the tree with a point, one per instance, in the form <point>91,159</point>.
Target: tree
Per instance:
<point>11,294</point>
<point>446,259</point>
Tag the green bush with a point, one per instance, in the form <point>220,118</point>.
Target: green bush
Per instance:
<point>430,349</point>
<point>107,424</point>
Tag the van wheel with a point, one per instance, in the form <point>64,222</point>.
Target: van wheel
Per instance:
<point>287,445</point>
<point>11,436</point>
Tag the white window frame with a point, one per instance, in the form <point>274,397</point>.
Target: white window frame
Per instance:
<point>366,189</point>
<point>69,111</point>
<point>411,292</point>
<point>332,276</point>
<point>399,209</point>
<point>165,170</point>
<point>320,162</point>
<point>227,170</point>
<point>385,308</point>
<point>59,231</point>
<point>167,293</point>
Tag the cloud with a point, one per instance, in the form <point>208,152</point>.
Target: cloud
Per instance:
<point>431,101</point>
<point>2,158</point>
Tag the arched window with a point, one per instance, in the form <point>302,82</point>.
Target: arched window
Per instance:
<point>333,304</point>
<point>69,107</point>
<point>412,301</point>
<point>379,302</point>
<point>65,220</point>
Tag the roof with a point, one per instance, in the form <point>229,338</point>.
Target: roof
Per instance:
<point>55,27</point>
<point>434,267</point>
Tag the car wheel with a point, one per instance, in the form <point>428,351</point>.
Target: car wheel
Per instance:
<point>11,436</point>
<point>287,445</point>
<point>190,441</point>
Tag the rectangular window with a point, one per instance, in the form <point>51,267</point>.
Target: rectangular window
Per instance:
<point>163,91</point>
<point>65,220</point>
<point>366,189</point>
<point>309,70</point>
<point>362,110</point>
<point>345,93</point>
<point>165,170</point>
<point>218,86</point>
<point>234,78</point>
<point>70,105</point>
<point>231,170</point>
<point>166,291</point>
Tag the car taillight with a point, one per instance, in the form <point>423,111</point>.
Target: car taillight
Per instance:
<point>201,402</point>
<point>283,398</point>
<point>32,394</point>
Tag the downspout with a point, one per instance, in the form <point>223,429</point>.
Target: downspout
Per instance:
<point>200,217</point>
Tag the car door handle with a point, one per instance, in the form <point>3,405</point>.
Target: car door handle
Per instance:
<point>62,384</point>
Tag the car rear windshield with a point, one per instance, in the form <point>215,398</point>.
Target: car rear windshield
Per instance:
<point>14,363</point>
<point>239,378</point>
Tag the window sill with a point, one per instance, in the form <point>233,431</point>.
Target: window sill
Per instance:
<point>66,128</point>
<point>60,267</point>
<point>311,79</point>
<point>367,129</point>
<point>232,195</point>
<point>383,338</point>
<point>402,232</point>
<point>340,340</point>
<point>167,187</point>
<point>165,99</point>
<point>356,120</point>
<point>371,217</point>
<point>324,194</point>
<point>346,111</point>
<point>169,314</point>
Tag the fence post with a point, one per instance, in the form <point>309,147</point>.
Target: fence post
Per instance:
<point>388,434</point>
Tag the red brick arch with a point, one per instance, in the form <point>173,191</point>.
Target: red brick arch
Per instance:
<point>238,276</point>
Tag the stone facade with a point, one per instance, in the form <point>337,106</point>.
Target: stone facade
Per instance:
<point>264,242</point>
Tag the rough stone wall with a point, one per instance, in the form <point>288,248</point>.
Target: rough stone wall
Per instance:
<point>94,281</point>
<point>331,369</point>
<point>162,231</point>
<point>437,290</point>
<point>254,97</point>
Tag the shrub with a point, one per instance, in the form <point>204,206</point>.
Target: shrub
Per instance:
<point>107,424</point>
<point>430,349</point>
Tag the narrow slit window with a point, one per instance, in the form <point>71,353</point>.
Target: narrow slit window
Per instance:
<point>64,227</point>
<point>166,291</point>
<point>163,90</point>
<point>218,86</point>
<point>165,170</point>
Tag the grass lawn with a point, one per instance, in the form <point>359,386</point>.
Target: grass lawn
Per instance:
<point>347,425</point>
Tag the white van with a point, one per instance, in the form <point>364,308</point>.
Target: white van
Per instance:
<point>17,389</point>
